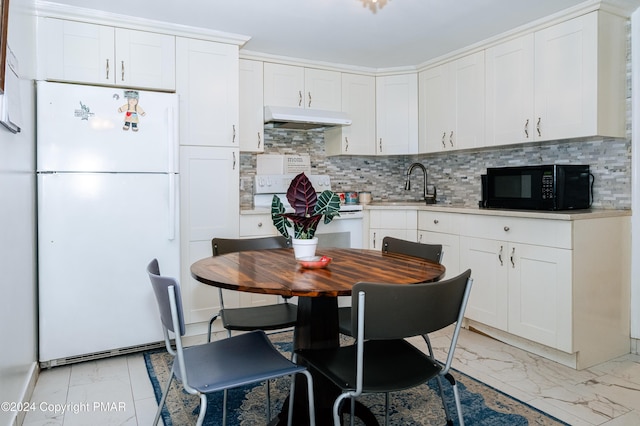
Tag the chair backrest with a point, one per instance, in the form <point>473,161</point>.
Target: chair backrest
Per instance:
<point>397,311</point>
<point>431,252</point>
<point>161,287</point>
<point>229,245</point>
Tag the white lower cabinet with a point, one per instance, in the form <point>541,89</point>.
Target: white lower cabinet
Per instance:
<point>444,229</point>
<point>521,289</point>
<point>391,223</point>
<point>539,284</point>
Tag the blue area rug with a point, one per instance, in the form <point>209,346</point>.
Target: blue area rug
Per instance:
<point>482,405</point>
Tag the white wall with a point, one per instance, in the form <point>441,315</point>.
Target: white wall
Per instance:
<point>635,175</point>
<point>18,313</point>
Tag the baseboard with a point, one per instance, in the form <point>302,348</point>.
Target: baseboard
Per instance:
<point>30,385</point>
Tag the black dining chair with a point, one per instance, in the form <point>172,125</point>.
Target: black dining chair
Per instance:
<point>269,317</point>
<point>431,252</point>
<point>224,364</point>
<point>381,360</point>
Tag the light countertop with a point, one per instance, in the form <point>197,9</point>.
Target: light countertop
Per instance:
<point>450,208</point>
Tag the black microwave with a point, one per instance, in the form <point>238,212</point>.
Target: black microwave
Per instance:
<point>545,187</point>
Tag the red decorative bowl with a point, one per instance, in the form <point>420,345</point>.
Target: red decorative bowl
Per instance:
<point>315,262</point>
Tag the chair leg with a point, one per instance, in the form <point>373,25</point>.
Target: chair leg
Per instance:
<point>444,404</point>
<point>203,409</point>
<point>352,415</point>
<point>386,409</point>
<point>268,401</point>
<point>456,397</point>
<point>164,396</point>
<point>210,329</point>
<point>312,409</point>
<point>224,407</point>
<point>336,408</point>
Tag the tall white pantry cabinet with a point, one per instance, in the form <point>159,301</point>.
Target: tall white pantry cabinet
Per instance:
<point>208,84</point>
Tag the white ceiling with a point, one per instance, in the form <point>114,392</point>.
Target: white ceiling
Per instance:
<point>402,33</point>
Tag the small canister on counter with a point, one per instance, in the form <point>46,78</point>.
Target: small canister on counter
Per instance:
<point>364,197</point>
<point>342,197</point>
<point>351,197</point>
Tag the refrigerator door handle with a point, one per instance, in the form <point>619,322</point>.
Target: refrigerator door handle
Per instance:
<point>173,138</point>
<point>172,206</point>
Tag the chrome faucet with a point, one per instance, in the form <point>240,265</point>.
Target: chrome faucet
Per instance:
<point>428,198</point>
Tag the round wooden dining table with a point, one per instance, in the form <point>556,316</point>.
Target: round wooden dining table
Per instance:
<point>276,271</point>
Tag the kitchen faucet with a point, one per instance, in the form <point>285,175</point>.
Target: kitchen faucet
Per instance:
<point>428,198</point>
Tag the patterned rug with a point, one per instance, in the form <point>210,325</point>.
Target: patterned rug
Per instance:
<point>482,405</point>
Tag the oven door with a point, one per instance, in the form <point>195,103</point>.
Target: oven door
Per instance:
<point>344,231</point>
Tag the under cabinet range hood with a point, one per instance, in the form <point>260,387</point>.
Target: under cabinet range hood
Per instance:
<point>304,119</point>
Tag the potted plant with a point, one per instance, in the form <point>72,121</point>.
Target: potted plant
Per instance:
<point>308,209</point>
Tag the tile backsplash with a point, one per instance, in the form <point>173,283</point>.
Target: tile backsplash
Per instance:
<point>456,174</point>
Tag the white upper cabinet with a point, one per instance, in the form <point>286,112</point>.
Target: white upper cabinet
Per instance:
<point>359,102</point>
<point>98,54</point>
<point>565,81</point>
<point>580,78</point>
<point>397,114</point>
<point>452,97</point>
<point>510,89</point>
<point>299,87</point>
<point>251,106</point>
<point>207,81</point>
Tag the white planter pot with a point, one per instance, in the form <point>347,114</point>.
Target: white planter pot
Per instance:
<point>304,248</point>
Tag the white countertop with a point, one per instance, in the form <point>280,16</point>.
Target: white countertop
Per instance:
<point>535,214</point>
<point>449,208</point>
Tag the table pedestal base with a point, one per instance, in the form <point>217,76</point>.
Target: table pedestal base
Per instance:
<point>317,328</point>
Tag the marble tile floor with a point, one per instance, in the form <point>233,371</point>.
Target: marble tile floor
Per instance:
<point>117,391</point>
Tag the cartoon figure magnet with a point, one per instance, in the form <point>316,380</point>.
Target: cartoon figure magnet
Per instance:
<point>131,110</point>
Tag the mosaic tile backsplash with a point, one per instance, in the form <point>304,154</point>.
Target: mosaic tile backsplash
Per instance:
<point>456,175</point>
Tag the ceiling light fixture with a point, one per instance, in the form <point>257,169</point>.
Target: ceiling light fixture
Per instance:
<point>374,5</point>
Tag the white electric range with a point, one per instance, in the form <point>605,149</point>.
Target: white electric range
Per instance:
<point>343,231</point>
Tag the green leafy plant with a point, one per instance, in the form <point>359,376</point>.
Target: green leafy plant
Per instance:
<point>308,209</point>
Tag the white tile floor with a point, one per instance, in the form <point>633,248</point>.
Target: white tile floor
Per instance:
<point>607,394</point>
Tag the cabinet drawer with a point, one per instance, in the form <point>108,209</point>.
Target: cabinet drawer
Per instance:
<point>393,219</point>
<point>449,223</point>
<point>542,232</point>
<point>256,225</point>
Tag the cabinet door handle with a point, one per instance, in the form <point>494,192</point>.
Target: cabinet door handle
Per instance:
<point>500,256</point>
<point>420,238</point>
<point>259,224</point>
<point>513,252</point>
<point>299,97</point>
<point>309,99</point>
<point>346,144</point>
<point>538,126</point>
<point>374,240</point>
<point>526,129</point>
<point>451,139</point>
<point>259,140</point>
<point>436,221</point>
<point>444,135</point>
<point>233,136</point>
<point>380,144</point>
<point>107,69</point>
<point>506,229</point>
<point>234,161</point>
<point>122,69</point>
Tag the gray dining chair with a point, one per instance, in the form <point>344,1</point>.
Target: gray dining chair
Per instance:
<point>224,364</point>
<point>268,317</point>
<point>381,360</point>
<point>431,252</point>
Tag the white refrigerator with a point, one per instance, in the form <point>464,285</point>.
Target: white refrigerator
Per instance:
<point>107,177</point>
